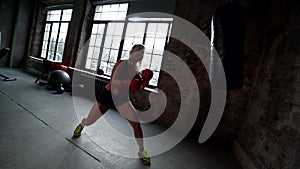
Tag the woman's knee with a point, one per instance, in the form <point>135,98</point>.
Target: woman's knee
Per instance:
<point>103,109</point>
<point>135,125</point>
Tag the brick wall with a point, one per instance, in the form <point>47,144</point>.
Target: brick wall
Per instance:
<point>271,134</point>
<point>265,116</point>
<point>200,13</point>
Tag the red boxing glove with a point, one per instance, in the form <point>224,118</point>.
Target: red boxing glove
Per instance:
<point>135,85</point>
<point>147,75</point>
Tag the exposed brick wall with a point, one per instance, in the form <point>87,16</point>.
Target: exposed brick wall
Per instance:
<point>33,67</point>
<point>36,30</point>
<point>200,13</point>
<point>237,100</point>
<point>75,28</point>
<point>169,85</point>
<point>271,134</point>
<point>84,36</point>
<point>200,17</point>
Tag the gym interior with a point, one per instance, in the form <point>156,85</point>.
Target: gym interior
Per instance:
<point>56,54</point>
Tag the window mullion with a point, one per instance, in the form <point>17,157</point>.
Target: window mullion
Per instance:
<point>168,31</point>
<point>153,47</point>
<point>102,45</point>
<point>122,39</point>
<point>56,42</point>
<point>110,47</point>
<point>50,32</point>
<point>145,32</point>
<point>57,37</point>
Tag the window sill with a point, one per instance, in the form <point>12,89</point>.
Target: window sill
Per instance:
<point>106,79</point>
<point>154,90</point>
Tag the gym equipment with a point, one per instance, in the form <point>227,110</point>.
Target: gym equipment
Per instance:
<point>49,66</point>
<point>4,52</point>
<point>58,79</point>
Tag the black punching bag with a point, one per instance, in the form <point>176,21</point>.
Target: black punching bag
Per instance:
<point>228,29</point>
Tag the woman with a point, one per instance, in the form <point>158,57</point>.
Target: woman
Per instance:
<point>122,74</point>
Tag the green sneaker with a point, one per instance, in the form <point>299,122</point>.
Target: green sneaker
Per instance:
<point>144,157</point>
<point>77,131</point>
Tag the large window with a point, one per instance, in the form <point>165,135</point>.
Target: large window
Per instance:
<point>55,33</point>
<point>110,27</point>
<point>106,36</point>
<point>154,33</point>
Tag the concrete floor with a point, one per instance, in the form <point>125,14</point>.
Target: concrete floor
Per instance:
<point>36,127</point>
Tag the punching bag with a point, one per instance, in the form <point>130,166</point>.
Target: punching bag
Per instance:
<point>227,38</point>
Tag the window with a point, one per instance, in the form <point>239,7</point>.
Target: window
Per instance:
<point>106,36</point>
<point>154,33</point>
<point>109,28</point>
<point>55,34</point>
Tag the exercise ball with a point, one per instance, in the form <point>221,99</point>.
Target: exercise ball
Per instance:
<point>60,90</point>
<point>59,78</point>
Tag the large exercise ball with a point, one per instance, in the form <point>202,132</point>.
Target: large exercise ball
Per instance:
<point>58,79</point>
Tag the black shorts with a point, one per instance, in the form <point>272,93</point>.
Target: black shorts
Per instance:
<point>105,98</point>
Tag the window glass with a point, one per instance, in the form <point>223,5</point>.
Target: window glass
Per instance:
<point>55,33</point>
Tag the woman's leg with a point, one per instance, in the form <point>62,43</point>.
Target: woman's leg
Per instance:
<point>95,113</point>
<point>129,113</point>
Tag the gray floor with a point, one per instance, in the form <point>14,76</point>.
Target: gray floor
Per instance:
<point>36,128</point>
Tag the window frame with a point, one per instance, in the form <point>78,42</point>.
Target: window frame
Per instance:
<point>106,22</point>
<point>121,45</point>
<point>147,22</point>
<point>46,10</point>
